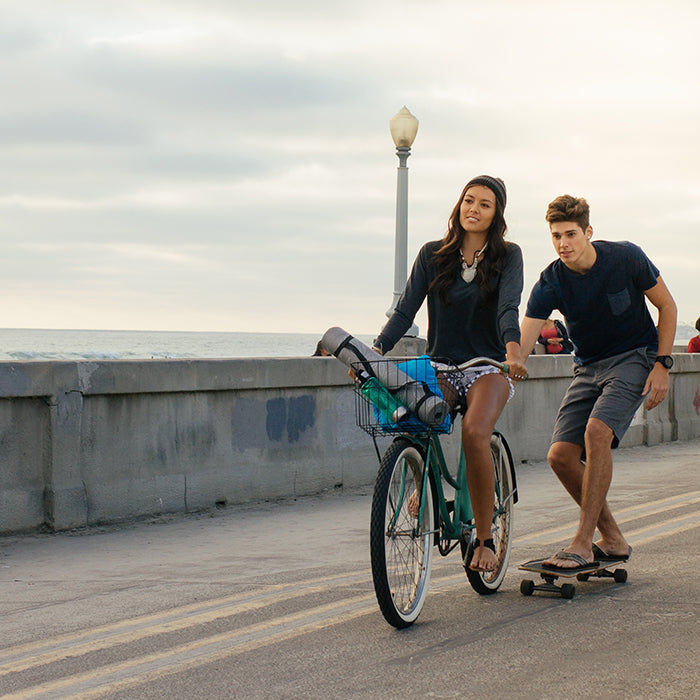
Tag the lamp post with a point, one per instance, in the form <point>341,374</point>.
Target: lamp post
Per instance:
<point>404,127</point>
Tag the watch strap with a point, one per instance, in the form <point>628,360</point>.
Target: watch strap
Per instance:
<point>665,361</point>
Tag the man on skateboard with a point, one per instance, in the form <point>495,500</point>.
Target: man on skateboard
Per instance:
<point>620,358</point>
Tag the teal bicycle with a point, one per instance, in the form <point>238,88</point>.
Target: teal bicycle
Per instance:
<point>401,545</point>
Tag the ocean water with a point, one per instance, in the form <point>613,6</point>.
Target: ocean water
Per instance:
<point>37,344</point>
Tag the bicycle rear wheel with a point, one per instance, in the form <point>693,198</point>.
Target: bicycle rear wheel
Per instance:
<point>400,546</point>
<point>487,582</point>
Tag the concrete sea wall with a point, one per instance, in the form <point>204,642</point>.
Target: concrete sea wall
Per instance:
<point>83,443</point>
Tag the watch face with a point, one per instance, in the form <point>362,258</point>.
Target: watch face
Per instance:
<point>665,360</point>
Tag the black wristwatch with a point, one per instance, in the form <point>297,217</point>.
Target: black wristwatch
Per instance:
<point>665,361</point>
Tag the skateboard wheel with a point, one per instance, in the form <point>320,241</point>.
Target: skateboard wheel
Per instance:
<point>582,577</point>
<point>527,586</point>
<point>620,575</point>
<point>568,590</point>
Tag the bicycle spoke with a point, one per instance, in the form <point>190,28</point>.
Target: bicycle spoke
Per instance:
<point>401,557</point>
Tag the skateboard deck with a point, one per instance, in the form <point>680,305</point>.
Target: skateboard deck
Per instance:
<point>597,569</point>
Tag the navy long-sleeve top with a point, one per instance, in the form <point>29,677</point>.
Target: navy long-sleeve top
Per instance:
<point>468,326</point>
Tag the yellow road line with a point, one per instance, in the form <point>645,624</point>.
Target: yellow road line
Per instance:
<point>180,658</point>
<point>196,647</point>
<point>691,496</point>
<point>115,639</point>
<point>177,667</point>
<point>123,675</point>
<point>170,662</point>
<point>164,616</point>
<point>79,647</point>
<point>170,620</point>
<point>134,629</point>
<point>660,535</point>
<point>662,525</point>
<point>633,513</point>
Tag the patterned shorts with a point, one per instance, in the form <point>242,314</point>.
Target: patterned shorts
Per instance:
<point>460,383</point>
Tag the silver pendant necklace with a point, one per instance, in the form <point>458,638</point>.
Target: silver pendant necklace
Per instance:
<point>469,271</point>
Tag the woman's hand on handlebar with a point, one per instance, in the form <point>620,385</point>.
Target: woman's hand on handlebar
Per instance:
<point>516,371</point>
<point>516,367</point>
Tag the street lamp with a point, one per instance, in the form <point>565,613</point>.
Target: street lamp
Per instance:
<point>404,127</point>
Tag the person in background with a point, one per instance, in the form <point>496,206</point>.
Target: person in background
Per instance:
<point>601,288</point>
<point>694,344</point>
<point>555,338</point>
<point>472,279</point>
<point>320,351</point>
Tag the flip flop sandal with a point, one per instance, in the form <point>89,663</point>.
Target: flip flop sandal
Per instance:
<point>600,555</point>
<point>571,556</point>
<point>487,543</point>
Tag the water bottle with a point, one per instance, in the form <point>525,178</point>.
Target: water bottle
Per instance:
<point>384,401</point>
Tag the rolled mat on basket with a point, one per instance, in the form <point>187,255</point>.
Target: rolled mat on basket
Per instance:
<point>415,395</point>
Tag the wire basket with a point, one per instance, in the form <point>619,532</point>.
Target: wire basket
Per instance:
<point>383,411</point>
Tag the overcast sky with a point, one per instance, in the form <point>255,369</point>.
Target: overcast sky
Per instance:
<point>227,165</point>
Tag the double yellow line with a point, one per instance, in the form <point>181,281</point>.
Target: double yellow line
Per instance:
<point>142,669</point>
<point>626,515</point>
<point>122,675</point>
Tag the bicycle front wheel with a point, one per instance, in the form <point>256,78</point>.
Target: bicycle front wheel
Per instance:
<point>486,582</point>
<point>400,545</point>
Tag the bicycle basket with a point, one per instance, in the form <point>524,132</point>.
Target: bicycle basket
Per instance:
<point>385,391</point>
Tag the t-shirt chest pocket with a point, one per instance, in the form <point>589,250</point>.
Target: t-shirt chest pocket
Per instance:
<point>619,301</point>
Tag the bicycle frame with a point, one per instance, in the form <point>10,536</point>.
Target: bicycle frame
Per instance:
<point>457,525</point>
<point>452,527</point>
<point>410,511</point>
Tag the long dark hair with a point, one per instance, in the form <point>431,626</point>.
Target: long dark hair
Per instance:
<point>448,263</point>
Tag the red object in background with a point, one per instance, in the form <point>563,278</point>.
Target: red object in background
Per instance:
<point>551,348</point>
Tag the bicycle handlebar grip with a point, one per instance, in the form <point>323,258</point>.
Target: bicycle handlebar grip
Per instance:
<point>505,368</point>
<point>417,397</point>
<point>506,371</point>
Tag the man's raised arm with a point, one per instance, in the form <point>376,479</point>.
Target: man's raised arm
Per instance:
<point>656,386</point>
<point>530,330</point>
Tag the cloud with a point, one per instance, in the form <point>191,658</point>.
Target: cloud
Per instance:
<point>233,161</point>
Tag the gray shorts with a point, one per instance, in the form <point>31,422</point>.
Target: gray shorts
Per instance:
<point>609,390</point>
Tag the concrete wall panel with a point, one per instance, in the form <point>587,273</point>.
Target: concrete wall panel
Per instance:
<point>93,442</point>
<point>25,453</point>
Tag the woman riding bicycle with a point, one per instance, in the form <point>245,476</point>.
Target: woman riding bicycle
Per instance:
<point>473,280</point>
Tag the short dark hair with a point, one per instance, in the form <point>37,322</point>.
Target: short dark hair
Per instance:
<point>568,208</point>
<point>697,325</point>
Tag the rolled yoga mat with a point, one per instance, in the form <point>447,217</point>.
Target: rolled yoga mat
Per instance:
<point>415,395</point>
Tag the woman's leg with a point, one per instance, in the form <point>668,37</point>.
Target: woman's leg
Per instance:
<point>486,399</point>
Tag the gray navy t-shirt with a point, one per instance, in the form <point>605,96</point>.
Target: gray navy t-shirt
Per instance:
<point>605,308</point>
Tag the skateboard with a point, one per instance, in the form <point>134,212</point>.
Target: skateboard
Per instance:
<point>597,569</point>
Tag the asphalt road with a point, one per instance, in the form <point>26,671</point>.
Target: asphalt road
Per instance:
<point>276,601</point>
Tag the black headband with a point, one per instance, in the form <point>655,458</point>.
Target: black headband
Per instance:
<point>495,184</point>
